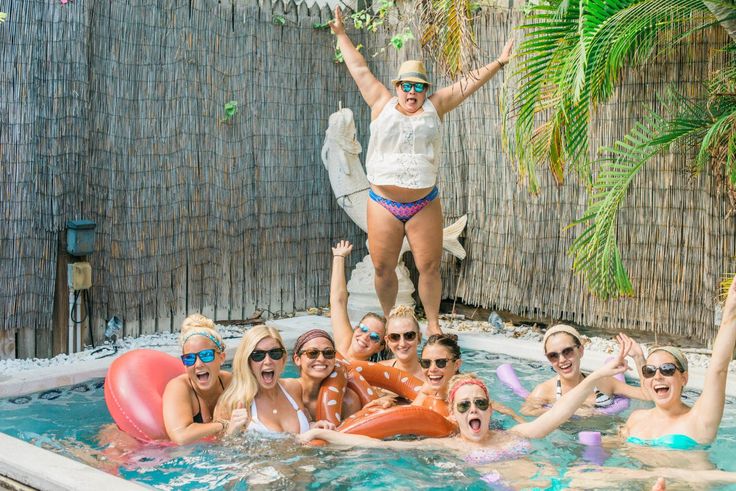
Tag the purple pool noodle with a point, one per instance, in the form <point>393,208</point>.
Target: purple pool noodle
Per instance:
<point>507,375</point>
<point>589,437</point>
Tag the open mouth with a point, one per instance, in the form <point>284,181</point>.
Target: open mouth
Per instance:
<point>435,379</point>
<point>267,376</point>
<point>319,367</point>
<point>661,390</point>
<point>202,377</point>
<point>474,425</point>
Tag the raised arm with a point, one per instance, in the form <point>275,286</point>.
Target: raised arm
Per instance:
<point>621,388</point>
<point>708,408</point>
<point>342,330</point>
<point>374,92</point>
<point>448,98</point>
<point>344,439</point>
<point>570,402</point>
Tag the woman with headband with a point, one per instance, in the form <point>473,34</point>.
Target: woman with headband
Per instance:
<point>471,409</point>
<point>314,355</point>
<point>671,423</point>
<point>189,400</point>
<point>563,348</point>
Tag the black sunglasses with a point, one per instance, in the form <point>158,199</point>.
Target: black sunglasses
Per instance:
<point>553,356</point>
<point>206,355</point>
<point>274,354</point>
<point>314,353</point>
<point>481,404</point>
<point>667,369</point>
<point>395,337</point>
<point>440,362</point>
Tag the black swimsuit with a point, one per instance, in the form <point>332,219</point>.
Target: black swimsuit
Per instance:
<point>198,417</point>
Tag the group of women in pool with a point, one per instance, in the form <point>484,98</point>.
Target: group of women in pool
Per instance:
<point>402,167</point>
<point>209,402</point>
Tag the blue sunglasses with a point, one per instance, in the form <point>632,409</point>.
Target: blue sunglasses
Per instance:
<point>206,355</point>
<point>373,335</point>
<point>418,87</point>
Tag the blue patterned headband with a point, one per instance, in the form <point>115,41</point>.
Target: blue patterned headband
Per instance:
<point>217,342</point>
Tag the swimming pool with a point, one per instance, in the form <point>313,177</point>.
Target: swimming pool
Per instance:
<point>68,421</point>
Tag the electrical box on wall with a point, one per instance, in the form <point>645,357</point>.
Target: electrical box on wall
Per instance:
<point>80,237</point>
<point>79,276</point>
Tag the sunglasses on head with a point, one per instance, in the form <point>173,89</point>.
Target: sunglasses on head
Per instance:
<point>395,337</point>
<point>481,404</point>
<point>313,353</point>
<point>440,362</point>
<point>667,369</point>
<point>375,337</point>
<point>553,356</point>
<point>417,86</point>
<point>206,355</point>
<point>274,354</point>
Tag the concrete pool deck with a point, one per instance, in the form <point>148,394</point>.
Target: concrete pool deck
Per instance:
<point>42,469</point>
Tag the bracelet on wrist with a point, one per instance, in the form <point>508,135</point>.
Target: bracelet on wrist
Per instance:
<point>500,63</point>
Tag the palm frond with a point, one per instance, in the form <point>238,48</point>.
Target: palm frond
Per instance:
<point>447,36</point>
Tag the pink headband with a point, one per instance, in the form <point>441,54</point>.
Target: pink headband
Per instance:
<point>468,381</point>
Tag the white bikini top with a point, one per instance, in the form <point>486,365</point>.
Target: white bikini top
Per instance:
<point>404,150</point>
<point>257,425</point>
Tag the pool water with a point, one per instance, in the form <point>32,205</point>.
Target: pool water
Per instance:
<point>74,422</point>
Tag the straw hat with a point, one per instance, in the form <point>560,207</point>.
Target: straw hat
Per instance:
<point>412,71</point>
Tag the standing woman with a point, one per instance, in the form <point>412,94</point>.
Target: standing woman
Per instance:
<point>189,400</point>
<point>403,338</point>
<point>402,164</point>
<point>255,398</point>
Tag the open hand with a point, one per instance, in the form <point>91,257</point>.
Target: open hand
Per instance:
<point>383,402</point>
<point>616,364</point>
<point>505,55</point>
<point>336,24</point>
<point>729,309</point>
<point>323,425</point>
<point>342,248</point>
<point>635,350</point>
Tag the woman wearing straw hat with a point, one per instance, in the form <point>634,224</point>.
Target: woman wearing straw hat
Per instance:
<point>402,165</point>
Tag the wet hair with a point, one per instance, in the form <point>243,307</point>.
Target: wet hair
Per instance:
<point>448,341</point>
<point>244,386</point>
<point>199,325</point>
<point>403,312</point>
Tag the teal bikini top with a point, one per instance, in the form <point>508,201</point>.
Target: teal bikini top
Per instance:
<point>674,441</point>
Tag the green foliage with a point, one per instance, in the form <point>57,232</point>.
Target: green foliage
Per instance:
<point>278,20</point>
<point>573,54</point>
<point>3,17</point>
<point>231,109</point>
<point>398,40</point>
<point>446,34</point>
<point>708,126</point>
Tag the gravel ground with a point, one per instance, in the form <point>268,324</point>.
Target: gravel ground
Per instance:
<point>497,328</point>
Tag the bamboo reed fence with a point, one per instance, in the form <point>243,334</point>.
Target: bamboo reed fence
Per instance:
<point>114,111</point>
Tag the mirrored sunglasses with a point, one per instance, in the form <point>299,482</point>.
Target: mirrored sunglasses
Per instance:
<point>274,354</point>
<point>667,369</point>
<point>206,355</point>
<point>395,337</point>
<point>440,362</point>
<point>314,353</point>
<point>481,404</point>
<point>553,356</point>
<point>375,337</point>
<point>417,86</point>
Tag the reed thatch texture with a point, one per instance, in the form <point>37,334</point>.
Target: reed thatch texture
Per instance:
<point>113,111</point>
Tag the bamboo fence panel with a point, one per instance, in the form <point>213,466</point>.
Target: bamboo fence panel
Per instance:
<point>114,111</point>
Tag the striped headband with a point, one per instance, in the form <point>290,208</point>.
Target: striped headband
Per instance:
<point>310,335</point>
<point>217,342</point>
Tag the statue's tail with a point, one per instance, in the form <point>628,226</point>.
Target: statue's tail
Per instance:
<point>450,235</point>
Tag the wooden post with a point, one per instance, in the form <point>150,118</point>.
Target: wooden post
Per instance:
<point>61,299</point>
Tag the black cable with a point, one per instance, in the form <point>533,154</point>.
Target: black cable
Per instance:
<point>88,305</point>
<point>74,309</point>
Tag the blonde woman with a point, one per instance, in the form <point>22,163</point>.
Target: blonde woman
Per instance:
<point>255,399</point>
<point>403,338</point>
<point>189,400</point>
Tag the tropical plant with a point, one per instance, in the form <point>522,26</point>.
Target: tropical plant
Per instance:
<point>572,57</point>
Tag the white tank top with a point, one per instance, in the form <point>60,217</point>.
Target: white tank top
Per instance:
<point>405,151</point>
<point>257,425</point>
